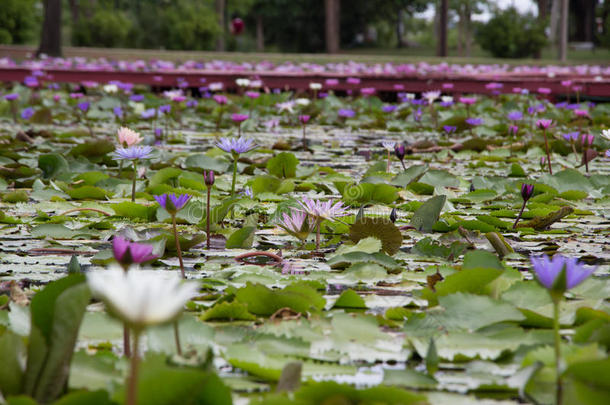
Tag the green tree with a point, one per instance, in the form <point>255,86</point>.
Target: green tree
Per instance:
<point>17,21</point>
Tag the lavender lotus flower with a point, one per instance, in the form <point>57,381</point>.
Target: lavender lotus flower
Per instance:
<point>84,106</point>
<point>548,271</point>
<point>304,119</point>
<point>389,108</point>
<point>449,129</point>
<point>137,98</point>
<point>220,99</point>
<point>11,96</point>
<point>389,145</point>
<point>118,112</point>
<point>27,113</point>
<point>165,109</point>
<point>132,153</point>
<point>526,191</point>
<point>239,118</point>
<point>544,123</point>
<point>236,145</point>
<point>474,121</point>
<point>172,202</point>
<point>147,114</point>
<point>346,113</point>
<point>128,253</point>
<point>322,209</point>
<point>514,115</point>
<point>297,224</point>
<point>571,136</point>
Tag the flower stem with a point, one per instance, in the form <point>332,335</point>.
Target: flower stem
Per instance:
<point>558,382</point>
<point>177,339</point>
<point>207,220</point>
<point>132,382</point>
<point>234,177</point>
<point>304,138</point>
<point>548,154</point>
<point>318,235</point>
<point>126,339</point>
<point>388,168</point>
<point>133,185</point>
<point>584,157</point>
<point>178,246</point>
<point>520,213</point>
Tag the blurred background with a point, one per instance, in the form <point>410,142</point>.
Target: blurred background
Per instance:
<point>474,28</point>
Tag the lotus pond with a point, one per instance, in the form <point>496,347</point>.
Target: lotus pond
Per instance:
<point>345,250</point>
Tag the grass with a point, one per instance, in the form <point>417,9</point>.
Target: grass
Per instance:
<point>373,55</point>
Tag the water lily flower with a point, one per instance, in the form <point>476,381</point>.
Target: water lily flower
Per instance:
<point>235,146</point>
<point>449,129</point>
<point>400,152</point>
<point>128,137</point>
<point>84,106</point>
<point>239,118</point>
<point>208,178</point>
<point>128,253</point>
<point>321,210</point>
<point>132,153</point>
<point>388,108</point>
<point>253,94</point>
<point>27,113</point>
<point>285,106</point>
<point>514,115</point>
<point>11,96</point>
<point>303,102</point>
<point>544,123</point>
<point>173,204</point>
<point>149,113</point>
<point>558,275</point>
<point>220,99</point>
<point>367,91</point>
<point>474,121</point>
<point>165,109</point>
<point>140,299</point>
<point>315,86</point>
<point>346,113</point>
<point>297,224</point>
<point>431,96</point>
<point>527,190</point>
<point>606,134</point>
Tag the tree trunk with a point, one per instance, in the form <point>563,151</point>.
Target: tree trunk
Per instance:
<point>468,29</point>
<point>543,12</point>
<point>563,32</point>
<point>332,11</point>
<point>555,14</point>
<point>220,16</point>
<point>260,34</point>
<point>50,38</point>
<point>74,10</point>
<point>400,28</point>
<point>442,28</point>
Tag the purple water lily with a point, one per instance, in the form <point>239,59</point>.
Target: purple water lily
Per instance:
<point>132,152</point>
<point>128,253</point>
<point>514,115</point>
<point>172,202</point>
<point>236,145</point>
<point>346,113</point>
<point>548,270</point>
<point>449,129</point>
<point>474,121</point>
<point>27,113</point>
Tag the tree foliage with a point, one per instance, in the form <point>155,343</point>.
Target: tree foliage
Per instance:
<point>17,21</point>
<point>509,34</point>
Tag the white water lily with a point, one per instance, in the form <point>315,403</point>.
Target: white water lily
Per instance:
<point>606,133</point>
<point>315,86</point>
<point>111,88</point>
<point>302,101</point>
<point>242,82</point>
<point>141,298</point>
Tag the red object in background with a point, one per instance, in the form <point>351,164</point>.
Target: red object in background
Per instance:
<point>237,26</point>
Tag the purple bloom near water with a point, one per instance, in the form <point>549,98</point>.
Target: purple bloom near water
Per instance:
<point>547,270</point>
<point>11,96</point>
<point>236,145</point>
<point>118,112</point>
<point>27,113</point>
<point>388,108</point>
<point>514,115</point>
<point>474,121</point>
<point>31,81</point>
<point>147,114</point>
<point>571,136</point>
<point>239,118</point>
<point>84,106</point>
<point>346,113</point>
<point>137,98</point>
<point>544,123</point>
<point>132,152</point>
<point>191,103</point>
<point>127,252</point>
<point>220,99</point>
<point>172,202</point>
<point>449,129</point>
<point>527,190</point>
<point>165,109</point>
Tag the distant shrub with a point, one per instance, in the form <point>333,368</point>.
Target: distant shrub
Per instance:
<point>105,28</point>
<point>509,34</point>
<point>17,21</point>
